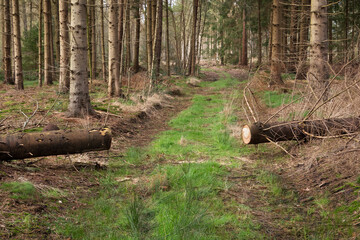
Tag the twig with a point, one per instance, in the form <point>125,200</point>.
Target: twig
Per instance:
<point>29,118</point>
<point>279,146</point>
<point>1,122</point>
<point>107,114</point>
<point>48,111</point>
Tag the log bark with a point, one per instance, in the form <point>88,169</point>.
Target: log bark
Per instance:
<point>28,145</point>
<point>298,130</point>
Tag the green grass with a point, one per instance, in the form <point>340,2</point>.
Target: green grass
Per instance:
<point>169,201</point>
<point>274,99</point>
<point>21,190</point>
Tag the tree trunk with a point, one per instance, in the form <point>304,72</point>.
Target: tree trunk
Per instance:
<point>7,44</point>
<point>276,46</point>
<point>330,29</point>
<point>346,50</point>
<point>292,58</point>
<point>318,75</point>
<point>259,33</point>
<point>39,144</point>
<point>121,36</point>
<point>113,47</point>
<point>157,46</point>
<point>56,37</point>
<point>167,38</point>
<point>19,80</point>
<point>47,43</point>
<point>30,14</point>
<point>103,63</point>
<point>137,35</point>
<point>127,36</point>
<point>192,57</point>
<point>24,18</point>
<point>153,19</point>
<point>64,78</point>
<point>149,35</point>
<point>79,104</point>
<point>298,130</point>
<point>93,41</point>
<point>244,58</point>
<point>303,40</point>
<point>177,41</point>
<point>40,45</point>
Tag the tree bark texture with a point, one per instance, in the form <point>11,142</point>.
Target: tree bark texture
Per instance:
<point>93,41</point>
<point>19,79</point>
<point>64,78</point>
<point>136,8</point>
<point>244,58</point>
<point>47,42</point>
<point>29,145</point>
<point>149,35</point>
<point>7,44</point>
<point>40,45</point>
<point>102,33</point>
<point>318,74</point>
<point>192,56</point>
<point>157,45</point>
<point>127,36</point>
<point>167,38</point>
<point>113,48</point>
<point>79,104</point>
<point>298,130</point>
<point>276,45</point>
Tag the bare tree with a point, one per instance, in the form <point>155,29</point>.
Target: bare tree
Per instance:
<point>79,104</point>
<point>157,45</point>
<point>113,48</point>
<point>47,43</point>
<point>192,56</point>
<point>40,52</point>
<point>19,80</point>
<point>276,45</point>
<point>244,58</point>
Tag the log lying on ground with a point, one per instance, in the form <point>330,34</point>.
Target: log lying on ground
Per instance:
<point>298,130</point>
<point>38,144</point>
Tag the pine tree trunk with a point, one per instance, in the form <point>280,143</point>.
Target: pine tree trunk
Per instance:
<point>192,56</point>
<point>30,13</point>
<point>259,34</point>
<point>157,45</point>
<point>7,44</point>
<point>19,80</point>
<point>127,36</point>
<point>167,38</point>
<point>346,31</point>
<point>153,19</point>
<point>183,23</point>
<point>79,104</point>
<point>292,58</point>
<point>24,18</point>
<point>93,41</point>
<point>137,35</point>
<point>56,34</point>
<point>113,47</point>
<point>149,35</point>
<point>89,34</point>
<point>330,29</point>
<point>244,58</point>
<point>64,78</point>
<point>276,46</point>
<point>177,41</point>
<point>304,24</point>
<point>47,43</point>
<point>121,36</point>
<point>103,63</point>
<point>40,45</point>
<point>318,73</point>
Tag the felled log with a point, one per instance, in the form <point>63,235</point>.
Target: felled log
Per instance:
<point>298,130</point>
<point>37,144</point>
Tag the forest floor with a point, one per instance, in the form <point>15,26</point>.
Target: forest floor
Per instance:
<point>176,170</point>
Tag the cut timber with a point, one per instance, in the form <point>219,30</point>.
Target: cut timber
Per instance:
<point>297,130</point>
<point>28,145</point>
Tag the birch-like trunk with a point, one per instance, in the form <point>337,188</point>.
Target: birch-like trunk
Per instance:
<point>64,78</point>
<point>19,80</point>
<point>79,104</point>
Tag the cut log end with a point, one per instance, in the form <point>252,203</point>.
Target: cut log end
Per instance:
<point>246,134</point>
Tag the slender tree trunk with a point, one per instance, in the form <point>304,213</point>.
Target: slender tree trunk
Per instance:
<point>346,31</point>
<point>318,73</point>
<point>330,38</point>
<point>30,13</point>
<point>153,19</point>
<point>244,58</point>
<point>113,48</point>
<point>292,58</point>
<point>89,21</point>
<point>183,23</point>
<point>79,104</point>
<point>259,33</point>
<point>276,46</point>
<point>167,38</point>
<point>40,45</point>
<point>192,57</point>
<point>19,81</point>
<point>137,35</point>
<point>177,41</point>
<point>127,36</point>
<point>157,45</point>
<point>121,34</point>
<point>56,34</point>
<point>24,18</point>
<point>47,43</point>
<point>93,41</point>
<point>149,35</point>
<point>64,78</point>
<point>103,63</point>
<point>7,44</point>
